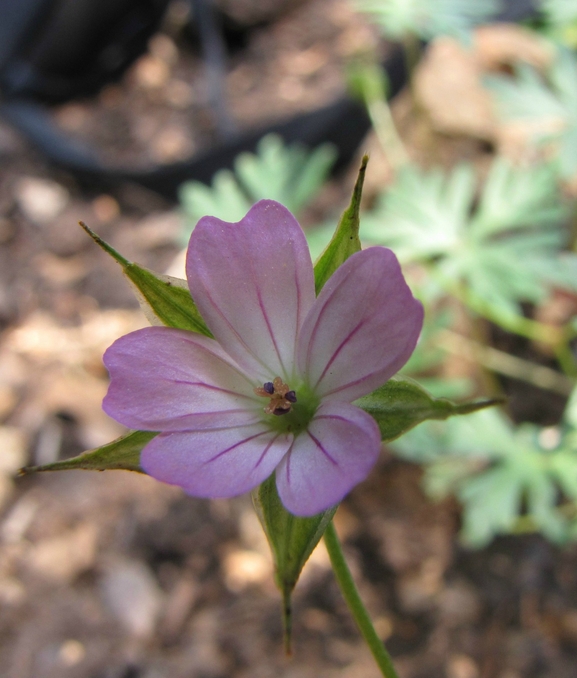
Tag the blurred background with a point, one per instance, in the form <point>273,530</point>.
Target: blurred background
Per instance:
<point>138,117</point>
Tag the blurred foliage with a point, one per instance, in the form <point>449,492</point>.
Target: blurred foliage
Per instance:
<point>547,102</point>
<point>290,174</point>
<point>503,246</point>
<point>427,18</point>
<point>561,20</point>
<point>508,479</point>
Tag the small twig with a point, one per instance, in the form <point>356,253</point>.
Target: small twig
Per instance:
<point>504,363</point>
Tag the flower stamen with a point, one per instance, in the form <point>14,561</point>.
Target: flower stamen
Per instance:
<point>280,394</point>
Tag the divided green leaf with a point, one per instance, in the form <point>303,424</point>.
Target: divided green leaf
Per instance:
<point>504,248</point>
<point>290,174</point>
<point>427,18</point>
<point>507,479</point>
<point>548,103</point>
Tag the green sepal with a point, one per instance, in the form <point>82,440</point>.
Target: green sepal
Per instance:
<point>402,403</point>
<point>292,540</point>
<point>345,240</point>
<point>165,300</point>
<point>121,454</point>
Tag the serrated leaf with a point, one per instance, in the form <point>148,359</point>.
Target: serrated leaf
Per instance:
<point>224,199</point>
<point>492,503</point>
<point>427,18</point>
<point>345,240</point>
<point>288,173</point>
<point>505,479</point>
<point>548,102</point>
<point>164,300</point>
<point>292,540</point>
<point>515,198</point>
<point>502,249</point>
<point>402,403</point>
<point>427,227</point>
<point>121,454</point>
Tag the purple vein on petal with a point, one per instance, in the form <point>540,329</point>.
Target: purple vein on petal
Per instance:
<point>252,417</point>
<point>289,455</point>
<point>211,387</point>
<point>263,310</point>
<point>232,447</point>
<point>318,324</point>
<point>348,384</point>
<point>317,442</point>
<point>333,417</point>
<point>343,343</point>
<point>266,449</point>
<point>269,328</point>
<point>232,328</point>
<point>299,306</point>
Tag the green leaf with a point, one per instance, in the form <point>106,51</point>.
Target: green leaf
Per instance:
<point>508,479</point>
<point>427,227</point>
<point>122,453</point>
<point>559,12</point>
<point>427,18</point>
<point>224,199</point>
<point>492,504</point>
<point>165,300</point>
<point>292,540</point>
<point>402,403</point>
<point>345,240</point>
<point>517,198</point>
<point>494,252</point>
<point>290,174</point>
<point>547,104</point>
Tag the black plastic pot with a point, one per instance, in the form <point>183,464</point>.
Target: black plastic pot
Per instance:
<point>35,68</point>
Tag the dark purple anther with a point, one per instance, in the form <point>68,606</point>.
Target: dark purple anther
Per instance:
<point>291,396</point>
<point>279,411</point>
<point>269,387</point>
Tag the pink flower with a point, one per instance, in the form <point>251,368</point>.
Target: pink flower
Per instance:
<point>273,391</point>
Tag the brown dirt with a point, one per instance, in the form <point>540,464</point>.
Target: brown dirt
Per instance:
<point>113,575</point>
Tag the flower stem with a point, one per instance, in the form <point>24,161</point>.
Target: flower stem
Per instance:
<point>353,600</point>
<point>384,125</point>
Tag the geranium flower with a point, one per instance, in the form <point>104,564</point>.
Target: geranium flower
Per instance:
<point>272,392</point>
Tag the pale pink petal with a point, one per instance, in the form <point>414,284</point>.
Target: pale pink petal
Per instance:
<point>253,284</point>
<point>164,379</point>
<point>337,452</point>
<point>219,463</point>
<point>362,328</point>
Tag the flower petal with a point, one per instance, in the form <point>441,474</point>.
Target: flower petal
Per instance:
<point>362,328</point>
<point>221,463</point>
<point>164,379</point>
<point>337,452</point>
<point>253,284</point>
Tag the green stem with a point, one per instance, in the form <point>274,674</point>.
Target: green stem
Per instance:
<point>511,322</point>
<point>353,600</point>
<point>557,338</point>
<point>386,131</point>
